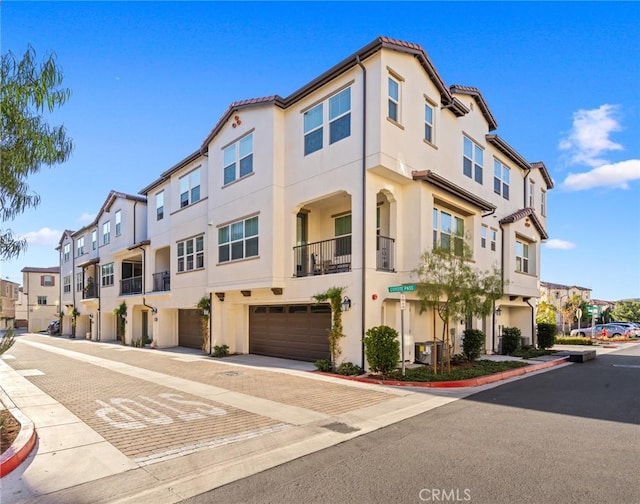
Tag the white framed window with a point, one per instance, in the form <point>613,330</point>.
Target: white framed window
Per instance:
<point>532,188</point>
<point>394,99</point>
<point>47,280</point>
<point>94,239</point>
<point>78,282</point>
<point>342,231</point>
<point>501,179</point>
<point>106,232</point>
<point>428,123</point>
<point>118,223</point>
<point>66,284</point>
<point>494,239</point>
<point>191,254</point>
<point>66,252</point>
<point>448,230</point>
<point>80,246</point>
<point>238,240</point>
<point>543,203</point>
<point>338,118</point>
<point>472,160</point>
<point>107,277</point>
<point>522,256</point>
<point>42,300</point>
<point>313,131</point>
<point>238,159</point>
<point>190,188</point>
<point>484,230</point>
<point>160,205</point>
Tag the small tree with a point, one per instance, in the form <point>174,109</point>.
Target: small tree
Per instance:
<point>334,296</point>
<point>570,308</point>
<point>7,341</point>
<point>73,313</point>
<point>204,305</point>
<point>511,340</point>
<point>121,319</point>
<point>382,349</point>
<point>546,313</point>
<point>472,343</point>
<point>453,288</point>
<point>546,335</point>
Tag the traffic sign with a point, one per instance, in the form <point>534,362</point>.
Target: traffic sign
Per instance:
<point>403,288</point>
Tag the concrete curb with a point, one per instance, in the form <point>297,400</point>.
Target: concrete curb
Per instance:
<point>471,382</point>
<point>23,444</point>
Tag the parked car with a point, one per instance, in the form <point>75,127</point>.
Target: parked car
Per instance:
<point>632,326</point>
<point>613,330</point>
<point>54,327</point>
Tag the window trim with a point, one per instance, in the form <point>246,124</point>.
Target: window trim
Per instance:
<point>187,176</point>
<point>392,77</point>
<point>79,282</point>
<point>523,262</point>
<point>484,232</point>
<point>475,147</point>
<point>229,241</point>
<point>159,208</point>
<point>430,106</point>
<point>118,222</point>
<point>109,275</point>
<point>327,120</point>
<point>237,160</point>
<point>193,258</point>
<point>531,195</point>
<point>504,169</point>
<point>106,232</point>
<point>66,284</point>
<point>41,298</point>
<point>94,239</point>
<point>66,251</point>
<point>80,247</point>
<point>455,237</point>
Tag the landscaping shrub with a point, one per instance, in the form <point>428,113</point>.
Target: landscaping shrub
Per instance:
<point>220,350</point>
<point>574,340</point>
<point>323,365</point>
<point>510,340</point>
<point>472,343</point>
<point>528,352</point>
<point>349,369</point>
<point>546,335</point>
<point>382,349</point>
<point>479,368</point>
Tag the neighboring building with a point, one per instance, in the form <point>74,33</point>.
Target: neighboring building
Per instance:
<point>287,197</point>
<point>558,295</point>
<point>8,299</point>
<point>40,300</point>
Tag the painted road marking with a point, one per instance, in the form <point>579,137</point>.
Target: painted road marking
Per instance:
<point>627,366</point>
<point>125,413</point>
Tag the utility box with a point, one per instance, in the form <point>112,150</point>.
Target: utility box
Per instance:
<point>424,352</point>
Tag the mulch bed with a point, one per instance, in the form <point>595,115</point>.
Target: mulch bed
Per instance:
<point>9,430</point>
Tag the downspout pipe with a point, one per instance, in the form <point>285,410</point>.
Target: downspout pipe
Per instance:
<point>364,204</point>
<point>524,181</point>
<point>501,278</point>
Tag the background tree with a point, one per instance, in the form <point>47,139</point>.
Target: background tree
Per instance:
<point>626,311</point>
<point>546,313</point>
<point>28,90</point>
<point>454,289</point>
<point>606,316</point>
<point>569,309</point>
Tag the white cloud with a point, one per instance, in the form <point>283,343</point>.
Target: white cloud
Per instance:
<point>559,244</point>
<point>588,138</point>
<point>44,236</point>
<point>616,175</point>
<point>86,218</point>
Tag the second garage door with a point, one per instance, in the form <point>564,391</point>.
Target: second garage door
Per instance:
<point>189,329</point>
<point>290,331</point>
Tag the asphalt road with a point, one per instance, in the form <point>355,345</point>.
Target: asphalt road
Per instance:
<point>571,435</point>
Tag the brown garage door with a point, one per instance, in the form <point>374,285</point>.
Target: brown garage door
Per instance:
<point>189,331</point>
<point>290,331</point>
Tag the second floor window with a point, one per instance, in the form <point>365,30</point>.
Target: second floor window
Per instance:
<point>448,231</point>
<point>191,254</point>
<point>238,159</point>
<point>338,118</point>
<point>78,282</point>
<point>472,161</point>
<point>94,239</point>
<point>80,246</point>
<point>190,188</point>
<point>238,240</point>
<point>118,223</point>
<point>160,205</point>
<point>483,236</point>
<point>67,283</point>
<point>522,256</point>
<point>428,123</point>
<point>106,275</point>
<point>501,176</point>
<point>47,280</point>
<point>394,99</point>
<point>106,232</point>
<point>66,252</point>
<point>313,129</point>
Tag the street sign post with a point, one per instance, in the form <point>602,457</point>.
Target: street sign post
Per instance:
<point>403,305</point>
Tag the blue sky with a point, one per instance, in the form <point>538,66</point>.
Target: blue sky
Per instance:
<point>150,79</point>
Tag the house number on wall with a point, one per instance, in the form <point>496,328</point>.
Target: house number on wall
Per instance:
<point>125,413</point>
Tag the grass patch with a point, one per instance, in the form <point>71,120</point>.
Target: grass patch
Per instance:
<point>573,340</point>
<point>530,353</point>
<point>458,372</point>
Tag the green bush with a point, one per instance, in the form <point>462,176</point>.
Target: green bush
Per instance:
<point>527,352</point>
<point>220,350</point>
<point>472,343</point>
<point>479,368</point>
<point>382,349</point>
<point>323,365</point>
<point>546,335</point>
<point>349,369</point>
<point>510,340</point>
<point>576,340</point>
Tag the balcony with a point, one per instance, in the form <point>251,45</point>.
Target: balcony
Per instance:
<point>161,281</point>
<point>131,285</point>
<point>323,257</point>
<point>90,290</point>
<point>385,253</point>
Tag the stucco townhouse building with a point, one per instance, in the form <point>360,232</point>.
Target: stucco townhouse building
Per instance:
<point>345,182</point>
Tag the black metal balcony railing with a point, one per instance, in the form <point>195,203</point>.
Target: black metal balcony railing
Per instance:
<point>161,281</point>
<point>90,291</point>
<point>131,285</point>
<point>323,257</point>
<point>385,253</point>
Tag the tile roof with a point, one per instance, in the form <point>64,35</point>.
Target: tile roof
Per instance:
<point>475,93</point>
<point>521,214</point>
<point>453,189</point>
<point>508,150</point>
<point>31,269</point>
<point>539,165</point>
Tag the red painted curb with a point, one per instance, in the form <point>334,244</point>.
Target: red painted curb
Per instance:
<point>471,382</point>
<point>21,446</point>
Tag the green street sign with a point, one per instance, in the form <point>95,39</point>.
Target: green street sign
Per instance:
<point>402,288</point>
